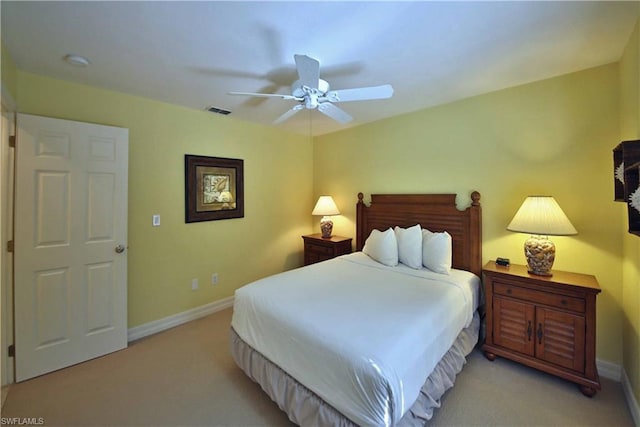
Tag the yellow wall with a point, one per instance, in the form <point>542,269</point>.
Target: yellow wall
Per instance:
<point>8,71</point>
<point>630,130</point>
<point>551,137</point>
<point>163,260</point>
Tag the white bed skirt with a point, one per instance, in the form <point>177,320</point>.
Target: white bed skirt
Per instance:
<point>306,409</point>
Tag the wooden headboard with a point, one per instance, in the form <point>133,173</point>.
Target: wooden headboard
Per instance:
<point>436,212</point>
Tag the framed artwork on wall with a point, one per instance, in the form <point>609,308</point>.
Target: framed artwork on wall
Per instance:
<point>626,171</point>
<point>214,188</point>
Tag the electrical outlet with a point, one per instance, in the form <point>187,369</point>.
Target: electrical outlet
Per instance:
<point>194,284</point>
<point>214,279</point>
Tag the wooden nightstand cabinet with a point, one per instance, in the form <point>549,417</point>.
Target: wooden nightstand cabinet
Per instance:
<point>547,323</point>
<point>317,249</point>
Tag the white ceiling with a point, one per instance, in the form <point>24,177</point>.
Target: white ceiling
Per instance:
<point>194,53</point>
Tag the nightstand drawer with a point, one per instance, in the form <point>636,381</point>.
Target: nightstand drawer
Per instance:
<point>318,249</point>
<point>554,300</point>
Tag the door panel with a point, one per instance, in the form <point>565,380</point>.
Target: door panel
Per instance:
<point>513,323</point>
<point>563,338</point>
<point>99,298</point>
<point>71,213</point>
<point>51,307</point>
<point>100,216</point>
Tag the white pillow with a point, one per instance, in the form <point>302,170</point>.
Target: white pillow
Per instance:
<point>382,247</point>
<point>410,246</point>
<point>436,251</point>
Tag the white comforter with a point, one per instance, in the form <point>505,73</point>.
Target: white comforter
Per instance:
<point>362,336</point>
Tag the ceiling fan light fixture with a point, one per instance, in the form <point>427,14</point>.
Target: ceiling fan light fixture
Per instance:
<point>76,60</point>
<point>311,101</point>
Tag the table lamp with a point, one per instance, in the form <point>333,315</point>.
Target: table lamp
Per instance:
<point>541,216</point>
<point>326,207</point>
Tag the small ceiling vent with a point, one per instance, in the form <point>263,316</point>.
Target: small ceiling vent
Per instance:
<point>213,109</point>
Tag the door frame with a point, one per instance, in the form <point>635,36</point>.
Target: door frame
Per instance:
<point>7,167</point>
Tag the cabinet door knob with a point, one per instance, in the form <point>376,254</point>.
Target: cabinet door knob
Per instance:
<point>529,331</point>
<point>509,291</point>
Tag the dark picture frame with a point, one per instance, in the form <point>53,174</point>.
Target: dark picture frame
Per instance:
<point>214,188</point>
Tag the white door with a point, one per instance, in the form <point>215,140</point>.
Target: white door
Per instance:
<point>70,236</point>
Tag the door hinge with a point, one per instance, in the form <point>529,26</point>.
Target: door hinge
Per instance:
<point>12,350</point>
<point>10,246</point>
<point>12,141</point>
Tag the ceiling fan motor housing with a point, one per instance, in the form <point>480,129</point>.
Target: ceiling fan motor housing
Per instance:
<point>298,90</point>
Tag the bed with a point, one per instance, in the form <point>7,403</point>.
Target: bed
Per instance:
<point>357,340</point>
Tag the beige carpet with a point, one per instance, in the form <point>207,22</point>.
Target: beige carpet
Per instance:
<point>186,377</point>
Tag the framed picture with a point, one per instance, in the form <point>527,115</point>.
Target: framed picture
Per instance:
<point>214,188</point>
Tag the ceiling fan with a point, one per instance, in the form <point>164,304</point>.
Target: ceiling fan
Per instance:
<point>311,92</point>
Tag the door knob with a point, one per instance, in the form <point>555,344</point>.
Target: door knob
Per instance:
<point>119,249</point>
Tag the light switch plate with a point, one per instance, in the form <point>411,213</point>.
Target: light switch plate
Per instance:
<point>156,220</point>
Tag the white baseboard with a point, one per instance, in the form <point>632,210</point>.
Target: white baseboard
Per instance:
<point>609,370</point>
<point>632,403</point>
<point>163,324</point>
<point>615,372</point>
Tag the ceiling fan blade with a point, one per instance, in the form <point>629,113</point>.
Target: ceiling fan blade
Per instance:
<point>334,112</point>
<point>360,94</point>
<point>267,95</point>
<point>308,70</point>
<point>288,114</point>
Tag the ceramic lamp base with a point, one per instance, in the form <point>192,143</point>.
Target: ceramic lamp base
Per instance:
<point>540,253</point>
<point>326,225</point>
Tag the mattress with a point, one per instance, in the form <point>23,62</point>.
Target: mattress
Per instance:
<point>361,336</point>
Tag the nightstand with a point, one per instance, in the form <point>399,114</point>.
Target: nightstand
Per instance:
<point>317,249</point>
<point>547,323</point>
